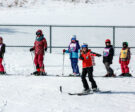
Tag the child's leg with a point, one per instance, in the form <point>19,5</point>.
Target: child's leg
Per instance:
<point>36,62</point>
<point>108,68</point>
<point>72,64</point>
<point>75,65</point>
<point>40,61</point>
<point>83,77</point>
<point>1,66</point>
<point>122,67</point>
<point>90,75</point>
<point>126,68</point>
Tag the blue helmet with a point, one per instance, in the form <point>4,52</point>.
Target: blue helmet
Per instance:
<point>73,37</point>
<point>84,46</point>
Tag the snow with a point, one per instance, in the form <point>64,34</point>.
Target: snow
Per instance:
<point>21,92</point>
<point>49,12</point>
<point>24,93</point>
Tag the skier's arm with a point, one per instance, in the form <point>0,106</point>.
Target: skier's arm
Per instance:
<point>111,53</point>
<point>95,54</point>
<point>2,50</point>
<point>45,44</point>
<point>81,57</point>
<point>128,56</point>
<point>33,48</point>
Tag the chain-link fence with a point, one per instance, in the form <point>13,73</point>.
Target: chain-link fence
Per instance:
<point>58,37</point>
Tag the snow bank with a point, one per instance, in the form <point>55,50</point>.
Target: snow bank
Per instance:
<point>22,3</point>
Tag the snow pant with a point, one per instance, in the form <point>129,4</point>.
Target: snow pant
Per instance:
<point>88,70</point>
<point>124,67</point>
<point>1,66</point>
<point>74,65</point>
<point>38,60</point>
<point>108,68</point>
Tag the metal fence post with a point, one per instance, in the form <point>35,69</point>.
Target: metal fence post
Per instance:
<point>50,39</point>
<point>114,39</point>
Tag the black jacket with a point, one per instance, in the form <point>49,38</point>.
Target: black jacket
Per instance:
<point>2,50</point>
<point>108,58</point>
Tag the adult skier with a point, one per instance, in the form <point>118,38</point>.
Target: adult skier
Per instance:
<point>40,46</point>
<point>108,54</point>
<point>2,51</point>
<point>124,59</point>
<point>87,63</point>
<point>73,50</point>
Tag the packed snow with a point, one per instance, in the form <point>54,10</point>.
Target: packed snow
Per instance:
<point>21,92</point>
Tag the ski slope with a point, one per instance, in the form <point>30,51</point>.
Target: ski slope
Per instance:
<point>20,92</point>
<point>24,93</point>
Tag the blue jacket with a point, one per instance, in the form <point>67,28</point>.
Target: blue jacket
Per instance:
<point>73,49</point>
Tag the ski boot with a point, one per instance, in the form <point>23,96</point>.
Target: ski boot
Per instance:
<point>110,75</point>
<point>107,75</point>
<point>74,74</point>
<point>34,73</point>
<point>95,89</point>
<point>121,74</point>
<point>86,91</point>
<point>43,73</point>
<point>127,75</point>
<point>2,73</point>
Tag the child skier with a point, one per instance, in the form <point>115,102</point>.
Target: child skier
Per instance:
<point>2,51</point>
<point>73,49</point>
<point>39,46</point>
<point>108,54</point>
<point>86,57</point>
<point>124,59</point>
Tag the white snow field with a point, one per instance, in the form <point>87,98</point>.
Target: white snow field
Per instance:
<point>21,92</point>
<point>99,12</point>
<point>24,93</point>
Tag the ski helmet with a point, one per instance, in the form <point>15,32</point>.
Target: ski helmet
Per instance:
<point>85,46</point>
<point>73,37</point>
<point>125,43</point>
<point>39,32</point>
<point>107,41</point>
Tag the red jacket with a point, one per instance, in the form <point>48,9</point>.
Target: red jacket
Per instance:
<point>39,46</point>
<point>87,58</point>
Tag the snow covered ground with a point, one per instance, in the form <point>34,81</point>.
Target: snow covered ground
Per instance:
<point>24,93</point>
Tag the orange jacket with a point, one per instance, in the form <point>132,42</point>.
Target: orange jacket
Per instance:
<point>87,58</point>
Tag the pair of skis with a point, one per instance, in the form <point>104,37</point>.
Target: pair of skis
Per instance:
<point>83,93</point>
<point>91,92</point>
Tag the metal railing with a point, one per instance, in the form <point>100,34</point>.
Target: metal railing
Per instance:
<point>117,34</point>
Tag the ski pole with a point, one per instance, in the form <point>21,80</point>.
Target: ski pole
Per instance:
<point>63,64</point>
<point>33,61</point>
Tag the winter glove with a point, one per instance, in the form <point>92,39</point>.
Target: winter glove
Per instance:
<point>45,49</point>
<point>31,49</point>
<point>81,58</point>
<point>98,55</point>
<point>64,51</point>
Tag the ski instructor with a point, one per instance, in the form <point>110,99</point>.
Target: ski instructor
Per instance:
<point>40,46</point>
